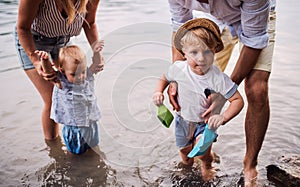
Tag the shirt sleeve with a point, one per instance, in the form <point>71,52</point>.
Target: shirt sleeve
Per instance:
<point>221,82</point>
<point>254,23</point>
<point>170,74</point>
<point>179,13</point>
<point>231,92</point>
<point>175,70</point>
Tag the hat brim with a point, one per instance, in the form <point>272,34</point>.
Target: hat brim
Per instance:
<point>198,23</point>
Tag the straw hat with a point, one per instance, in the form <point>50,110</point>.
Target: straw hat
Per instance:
<point>198,23</point>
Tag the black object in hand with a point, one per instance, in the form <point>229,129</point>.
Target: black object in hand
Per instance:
<point>208,91</point>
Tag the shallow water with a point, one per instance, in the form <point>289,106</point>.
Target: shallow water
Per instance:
<point>136,150</point>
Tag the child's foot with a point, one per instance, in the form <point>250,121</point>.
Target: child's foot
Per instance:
<point>207,170</point>
<point>208,173</point>
<point>183,165</point>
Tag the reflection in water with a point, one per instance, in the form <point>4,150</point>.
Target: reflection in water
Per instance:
<point>66,169</point>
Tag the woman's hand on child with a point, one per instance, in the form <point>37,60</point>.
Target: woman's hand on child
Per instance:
<point>215,121</point>
<point>49,74</point>
<point>158,98</point>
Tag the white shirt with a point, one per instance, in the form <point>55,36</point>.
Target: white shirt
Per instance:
<point>191,86</point>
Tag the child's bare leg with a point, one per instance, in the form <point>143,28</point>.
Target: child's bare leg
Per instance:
<point>207,170</point>
<point>185,159</point>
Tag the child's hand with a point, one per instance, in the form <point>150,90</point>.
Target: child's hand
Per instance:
<point>215,121</point>
<point>46,70</point>
<point>98,60</point>
<point>158,98</point>
<point>97,46</point>
<point>42,54</point>
<point>97,66</point>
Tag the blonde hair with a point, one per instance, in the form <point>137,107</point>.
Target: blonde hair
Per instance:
<point>69,7</point>
<point>70,54</point>
<point>200,37</point>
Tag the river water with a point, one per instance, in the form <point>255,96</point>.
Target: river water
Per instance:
<point>136,150</point>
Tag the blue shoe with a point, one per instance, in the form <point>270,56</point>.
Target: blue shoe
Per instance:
<point>203,144</point>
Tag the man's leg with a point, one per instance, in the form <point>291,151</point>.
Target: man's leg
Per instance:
<point>257,119</point>
<point>258,112</point>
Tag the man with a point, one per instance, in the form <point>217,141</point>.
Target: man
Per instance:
<point>247,20</point>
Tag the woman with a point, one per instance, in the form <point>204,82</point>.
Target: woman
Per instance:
<point>48,25</point>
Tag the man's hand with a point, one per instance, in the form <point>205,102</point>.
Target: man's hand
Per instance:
<point>172,92</point>
<point>217,102</point>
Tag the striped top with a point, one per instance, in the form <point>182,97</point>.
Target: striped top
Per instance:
<point>49,21</point>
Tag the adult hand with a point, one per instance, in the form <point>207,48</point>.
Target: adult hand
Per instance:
<point>215,121</point>
<point>172,92</point>
<point>217,102</point>
<point>44,67</point>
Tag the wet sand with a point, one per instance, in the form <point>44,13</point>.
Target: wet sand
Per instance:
<point>137,149</point>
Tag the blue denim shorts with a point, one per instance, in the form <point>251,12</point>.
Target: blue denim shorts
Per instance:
<point>185,134</point>
<point>79,139</point>
<point>51,45</point>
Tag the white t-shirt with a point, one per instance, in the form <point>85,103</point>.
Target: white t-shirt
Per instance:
<point>191,86</point>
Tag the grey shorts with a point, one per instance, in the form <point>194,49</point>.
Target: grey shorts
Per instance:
<point>185,133</point>
<point>51,45</point>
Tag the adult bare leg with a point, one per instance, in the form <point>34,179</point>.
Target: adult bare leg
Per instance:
<point>257,119</point>
<point>50,128</point>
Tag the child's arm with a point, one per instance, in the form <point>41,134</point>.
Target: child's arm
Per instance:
<point>47,66</point>
<point>158,96</point>
<point>236,105</point>
<point>98,61</point>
